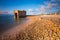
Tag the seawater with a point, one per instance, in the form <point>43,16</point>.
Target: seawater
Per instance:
<point>7,21</point>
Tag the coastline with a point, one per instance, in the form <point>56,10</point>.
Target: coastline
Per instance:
<point>43,26</point>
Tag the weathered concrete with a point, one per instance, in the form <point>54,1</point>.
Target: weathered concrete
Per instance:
<point>19,13</point>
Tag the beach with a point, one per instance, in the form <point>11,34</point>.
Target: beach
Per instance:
<point>40,27</point>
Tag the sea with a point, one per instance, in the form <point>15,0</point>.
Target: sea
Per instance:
<point>8,21</point>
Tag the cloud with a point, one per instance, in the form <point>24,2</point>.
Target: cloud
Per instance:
<point>55,0</point>
<point>42,8</point>
<point>6,12</point>
<point>30,10</point>
<point>3,12</point>
<point>49,4</point>
<point>10,12</point>
<point>48,7</point>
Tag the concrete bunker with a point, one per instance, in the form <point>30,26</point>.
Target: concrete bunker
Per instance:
<point>19,13</point>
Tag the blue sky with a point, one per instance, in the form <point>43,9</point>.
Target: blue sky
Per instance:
<point>31,6</point>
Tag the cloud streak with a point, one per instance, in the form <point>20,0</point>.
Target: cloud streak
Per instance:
<point>6,12</point>
<point>48,7</point>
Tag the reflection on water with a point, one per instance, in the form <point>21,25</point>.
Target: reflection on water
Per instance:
<point>8,21</point>
<point>16,19</point>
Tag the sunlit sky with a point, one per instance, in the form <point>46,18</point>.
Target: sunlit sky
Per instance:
<point>31,6</point>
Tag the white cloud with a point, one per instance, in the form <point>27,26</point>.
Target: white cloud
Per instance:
<point>30,10</point>
<point>10,12</point>
<point>47,7</point>
<point>42,8</point>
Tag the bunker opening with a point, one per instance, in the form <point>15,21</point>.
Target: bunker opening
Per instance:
<point>15,15</point>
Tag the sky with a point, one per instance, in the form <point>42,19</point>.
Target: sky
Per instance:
<point>32,7</point>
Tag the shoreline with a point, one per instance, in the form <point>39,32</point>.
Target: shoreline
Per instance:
<point>41,26</point>
<point>18,28</point>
